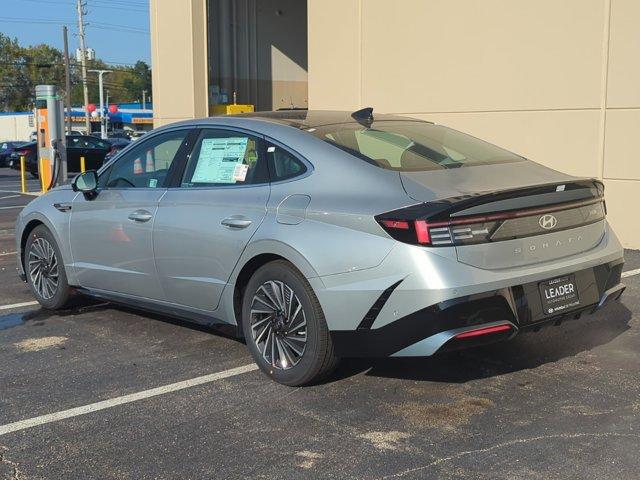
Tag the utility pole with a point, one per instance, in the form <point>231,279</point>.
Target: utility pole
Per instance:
<point>144,99</point>
<point>67,78</point>
<point>107,105</point>
<point>103,131</point>
<point>83,61</point>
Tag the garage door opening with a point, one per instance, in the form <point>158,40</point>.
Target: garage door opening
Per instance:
<point>258,49</point>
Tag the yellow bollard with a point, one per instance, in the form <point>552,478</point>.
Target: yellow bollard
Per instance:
<point>23,173</point>
<point>43,189</point>
<point>82,166</point>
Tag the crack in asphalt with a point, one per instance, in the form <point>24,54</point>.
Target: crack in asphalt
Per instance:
<point>16,473</point>
<point>510,443</point>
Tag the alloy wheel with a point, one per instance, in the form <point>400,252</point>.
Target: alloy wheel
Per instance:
<point>278,324</point>
<point>43,268</point>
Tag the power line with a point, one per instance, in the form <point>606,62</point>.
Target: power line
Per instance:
<point>111,6</point>
<point>37,20</point>
<point>114,29</point>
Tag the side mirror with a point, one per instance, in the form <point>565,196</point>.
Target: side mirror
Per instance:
<point>86,182</point>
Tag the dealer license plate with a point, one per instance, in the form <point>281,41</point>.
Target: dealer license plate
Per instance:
<point>559,294</point>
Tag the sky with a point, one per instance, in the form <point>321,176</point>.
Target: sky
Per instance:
<point>118,30</point>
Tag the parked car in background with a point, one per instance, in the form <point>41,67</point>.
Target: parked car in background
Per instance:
<point>119,134</point>
<point>30,153</point>
<point>92,149</point>
<point>117,144</point>
<point>136,134</point>
<point>6,149</point>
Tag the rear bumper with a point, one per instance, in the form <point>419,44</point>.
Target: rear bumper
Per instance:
<point>438,327</point>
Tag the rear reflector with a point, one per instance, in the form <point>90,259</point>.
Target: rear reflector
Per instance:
<point>484,331</point>
<point>401,224</point>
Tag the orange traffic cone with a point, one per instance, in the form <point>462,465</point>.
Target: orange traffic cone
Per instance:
<point>150,164</point>
<point>137,166</point>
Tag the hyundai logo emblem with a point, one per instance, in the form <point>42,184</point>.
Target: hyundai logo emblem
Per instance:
<point>548,222</point>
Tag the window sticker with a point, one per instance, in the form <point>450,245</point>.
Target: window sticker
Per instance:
<point>221,160</point>
<point>240,173</point>
<point>153,182</point>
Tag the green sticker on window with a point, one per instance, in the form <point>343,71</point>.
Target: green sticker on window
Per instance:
<point>219,160</point>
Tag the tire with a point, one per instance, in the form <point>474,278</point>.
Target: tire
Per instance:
<point>277,349</point>
<point>44,268</point>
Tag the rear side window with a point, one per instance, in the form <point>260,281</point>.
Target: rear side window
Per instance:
<point>283,165</point>
<point>224,158</point>
<point>412,145</point>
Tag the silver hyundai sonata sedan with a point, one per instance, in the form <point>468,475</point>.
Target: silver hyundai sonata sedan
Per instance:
<point>319,235</point>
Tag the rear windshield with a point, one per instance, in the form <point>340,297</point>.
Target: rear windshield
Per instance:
<point>410,146</point>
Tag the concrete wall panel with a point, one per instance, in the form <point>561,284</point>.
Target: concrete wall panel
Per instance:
<point>178,57</point>
<point>469,55</point>
<point>621,145</point>
<point>624,47</point>
<point>563,140</point>
<point>622,197</point>
<point>334,54</point>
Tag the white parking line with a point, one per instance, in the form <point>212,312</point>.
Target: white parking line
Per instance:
<point>35,194</point>
<point>9,196</point>
<point>18,305</point>
<point>14,206</point>
<point>7,253</point>
<point>114,402</point>
<point>630,273</point>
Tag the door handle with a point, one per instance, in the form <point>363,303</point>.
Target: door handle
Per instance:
<point>140,216</point>
<point>236,221</point>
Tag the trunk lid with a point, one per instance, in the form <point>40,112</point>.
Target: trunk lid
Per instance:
<point>509,215</point>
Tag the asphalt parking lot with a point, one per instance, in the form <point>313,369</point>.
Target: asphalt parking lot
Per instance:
<point>103,392</point>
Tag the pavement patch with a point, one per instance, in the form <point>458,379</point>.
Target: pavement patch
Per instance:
<point>386,441</point>
<point>37,344</point>
<point>444,416</point>
<point>308,458</point>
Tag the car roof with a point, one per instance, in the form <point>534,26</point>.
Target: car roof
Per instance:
<point>298,119</point>
<point>305,119</point>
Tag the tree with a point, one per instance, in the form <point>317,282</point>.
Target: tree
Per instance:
<point>22,68</point>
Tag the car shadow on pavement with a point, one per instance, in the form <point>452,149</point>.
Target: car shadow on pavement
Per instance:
<point>525,351</point>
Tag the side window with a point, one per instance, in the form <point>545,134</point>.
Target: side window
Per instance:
<point>147,165</point>
<point>73,142</point>
<point>223,157</point>
<point>100,144</point>
<point>283,164</point>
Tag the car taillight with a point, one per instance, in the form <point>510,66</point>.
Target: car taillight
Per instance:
<point>421,232</point>
<point>474,229</point>
<point>21,153</point>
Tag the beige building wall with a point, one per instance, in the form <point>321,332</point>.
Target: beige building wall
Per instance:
<point>179,60</point>
<point>556,81</point>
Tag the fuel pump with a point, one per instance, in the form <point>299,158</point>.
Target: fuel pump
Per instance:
<point>52,152</point>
